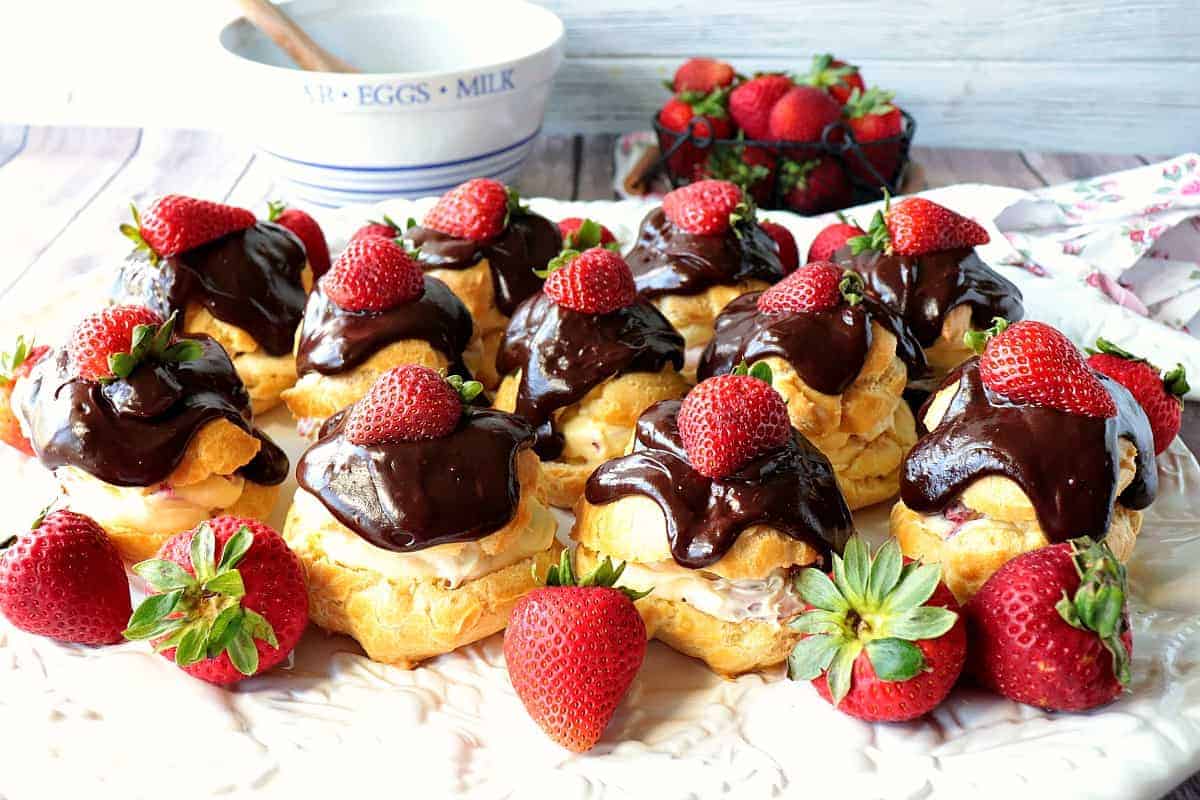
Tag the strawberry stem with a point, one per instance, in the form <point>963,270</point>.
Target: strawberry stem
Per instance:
<point>605,575</point>
<point>977,340</point>
<point>134,234</point>
<point>1176,383</point>
<point>1099,602</point>
<point>760,370</point>
<point>274,209</point>
<point>852,287</point>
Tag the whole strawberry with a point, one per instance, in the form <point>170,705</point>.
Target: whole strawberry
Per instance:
<point>833,238</point>
<point>63,579</point>
<point>596,281</point>
<point>785,245</point>
<point>871,116</point>
<point>802,115</point>
<point>729,420</point>
<point>815,186</point>
<point>231,600</point>
<point>174,224</point>
<point>573,649</point>
<point>817,286</point>
<point>1160,395</point>
<point>704,208</point>
<point>582,234</point>
<point>112,342</point>
<point>884,640</point>
<point>307,230</point>
<point>836,77</point>
<point>373,274</point>
<point>751,101</point>
<point>387,229</point>
<point>1051,628</point>
<point>916,226</point>
<point>409,403</point>
<point>14,366</point>
<point>1030,362</point>
<point>701,75</point>
<point>477,210</point>
<point>712,122</point>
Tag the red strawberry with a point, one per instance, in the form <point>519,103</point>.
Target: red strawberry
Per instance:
<point>729,420</point>
<point>175,224</point>
<point>1032,363</point>
<point>581,234</point>
<point>63,579</point>
<point>750,103</point>
<point>814,187</point>
<point>307,230</point>
<point>817,286</point>
<point>409,403</point>
<point>111,342</point>
<point>916,226</point>
<point>1159,395</point>
<point>712,123</point>
<point>884,640</point>
<point>802,114</point>
<point>14,366</point>
<point>232,600</point>
<point>703,208</point>
<point>751,168</point>
<point>785,245</point>
<point>836,77</point>
<point>872,117</point>
<point>477,210</point>
<point>831,239</point>
<point>1051,628</point>
<point>387,229</point>
<point>701,75</point>
<point>373,274</point>
<point>573,648</point>
<point>596,281</point>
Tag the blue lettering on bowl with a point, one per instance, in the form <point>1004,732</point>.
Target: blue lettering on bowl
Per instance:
<point>486,83</point>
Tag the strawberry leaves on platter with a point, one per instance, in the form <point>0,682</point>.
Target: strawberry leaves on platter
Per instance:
<point>10,362</point>
<point>153,342</point>
<point>1099,602</point>
<point>605,574</point>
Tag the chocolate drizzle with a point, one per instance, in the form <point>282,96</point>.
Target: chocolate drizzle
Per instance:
<point>250,279</point>
<point>564,354</point>
<point>667,260</point>
<point>406,496</point>
<point>135,431</point>
<point>791,489</point>
<point>924,289</point>
<point>334,340</point>
<point>528,243</point>
<point>1067,464</point>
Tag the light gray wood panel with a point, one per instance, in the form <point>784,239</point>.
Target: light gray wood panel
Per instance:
<point>596,168</point>
<point>550,169</point>
<point>255,187</point>
<point>943,167</point>
<point>1062,167</point>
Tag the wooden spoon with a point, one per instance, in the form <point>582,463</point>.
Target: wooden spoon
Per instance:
<point>291,38</point>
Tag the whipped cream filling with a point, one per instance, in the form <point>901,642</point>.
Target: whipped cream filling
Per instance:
<point>589,439</point>
<point>161,507</point>
<point>770,599</point>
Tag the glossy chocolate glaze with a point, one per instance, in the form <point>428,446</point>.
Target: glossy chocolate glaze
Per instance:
<point>334,340</point>
<point>135,431</point>
<point>406,496</point>
<point>564,354</point>
<point>528,243</point>
<point>250,279</point>
<point>1067,464</point>
<point>791,489</point>
<point>667,260</point>
<point>924,289</point>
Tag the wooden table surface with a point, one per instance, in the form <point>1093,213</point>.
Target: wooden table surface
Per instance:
<point>63,191</point>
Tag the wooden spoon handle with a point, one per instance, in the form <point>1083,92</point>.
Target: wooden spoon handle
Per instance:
<point>291,38</point>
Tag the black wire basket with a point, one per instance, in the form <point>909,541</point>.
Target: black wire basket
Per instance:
<point>837,143</point>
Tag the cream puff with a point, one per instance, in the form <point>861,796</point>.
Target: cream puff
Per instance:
<point>418,520</point>
<point>154,444</point>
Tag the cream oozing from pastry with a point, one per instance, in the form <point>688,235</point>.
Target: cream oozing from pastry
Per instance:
<point>769,599</point>
<point>158,507</point>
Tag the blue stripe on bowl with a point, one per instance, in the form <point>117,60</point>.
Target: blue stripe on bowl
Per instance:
<point>334,197</point>
<point>441,187</point>
<point>436,165</point>
<point>429,179</point>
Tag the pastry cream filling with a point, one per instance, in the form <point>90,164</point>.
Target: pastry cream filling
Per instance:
<point>588,439</point>
<point>770,599</point>
<point>161,507</point>
<point>455,563</point>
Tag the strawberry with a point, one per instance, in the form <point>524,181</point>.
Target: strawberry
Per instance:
<point>1160,395</point>
<point>871,117</point>
<point>785,245</point>
<point>582,234</point>
<point>409,403</point>
<point>751,101</point>
<point>387,229</point>
<point>916,226</point>
<point>884,640</point>
<point>573,648</point>
<point>704,208</point>
<point>1029,362</point>
<point>836,77</point>
<point>701,75</point>
<point>1051,627</point>
<point>307,231</point>
<point>111,343</point>
<point>729,420</point>
<point>63,579</point>
<point>833,238</point>
<point>802,115</point>
<point>14,366</point>
<point>477,210</point>
<point>751,168</point>
<point>175,224</point>
<point>817,286</point>
<point>373,274</point>
<point>231,600</point>
<point>596,281</point>
<point>814,187</point>
<point>712,122</point>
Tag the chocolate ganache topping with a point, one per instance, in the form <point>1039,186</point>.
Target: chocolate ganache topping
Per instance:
<point>924,289</point>
<point>134,431</point>
<point>250,279</point>
<point>527,243</point>
<point>791,489</point>
<point>334,340</point>
<point>1067,464</point>
<point>668,260</point>
<point>406,496</point>
<point>826,348</point>
<point>564,354</point>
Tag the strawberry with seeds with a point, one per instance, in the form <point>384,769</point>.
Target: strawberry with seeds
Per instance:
<point>409,403</point>
<point>817,286</point>
<point>174,224</point>
<point>386,229</point>
<point>815,186</point>
<point>916,226</point>
<point>701,75</point>
<point>477,210</point>
<point>583,234</point>
<point>802,115</point>
<point>833,238</point>
<point>785,245</point>
<point>751,101</point>
<point>705,208</point>
<point>111,343</point>
<point>373,274</point>
<point>751,168</point>
<point>728,420</point>
<point>712,122</point>
<point>596,281</point>
<point>837,77</point>
<point>14,366</point>
<point>871,116</point>
<point>1159,394</point>
<point>307,230</point>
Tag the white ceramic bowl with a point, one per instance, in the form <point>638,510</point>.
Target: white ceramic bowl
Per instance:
<point>450,90</point>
